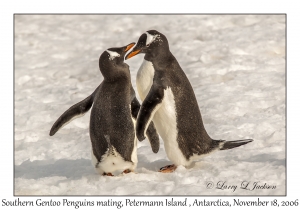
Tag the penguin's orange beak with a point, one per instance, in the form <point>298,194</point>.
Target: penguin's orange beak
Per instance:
<point>132,54</point>
<point>129,46</point>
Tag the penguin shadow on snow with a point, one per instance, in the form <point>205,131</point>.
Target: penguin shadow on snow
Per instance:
<point>71,169</point>
<point>153,166</point>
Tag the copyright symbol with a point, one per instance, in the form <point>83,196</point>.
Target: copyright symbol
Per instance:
<point>209,185</point>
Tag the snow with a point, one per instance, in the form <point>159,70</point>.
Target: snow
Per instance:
<point>235,63</point>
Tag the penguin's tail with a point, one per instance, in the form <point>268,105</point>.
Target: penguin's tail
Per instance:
<point>224,145</point>
<point>75,111</point>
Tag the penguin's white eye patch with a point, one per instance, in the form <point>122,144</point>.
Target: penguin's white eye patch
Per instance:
<point>112,54</point>
<point>150,38</point>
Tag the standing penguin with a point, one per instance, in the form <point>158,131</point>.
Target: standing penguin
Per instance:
<point>169,100</point>
<point>112,121</point>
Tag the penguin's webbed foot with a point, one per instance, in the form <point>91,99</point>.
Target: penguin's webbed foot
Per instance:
<point>126,171</point>
<point>168,169</point>
<point>107,174</point>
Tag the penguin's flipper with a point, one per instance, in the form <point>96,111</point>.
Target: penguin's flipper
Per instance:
<point>149,106</point>
<point>135,107</point>
<point>224,145</point>
<point>153,137</point>
<point>151,131</point>
<point>75,111</point>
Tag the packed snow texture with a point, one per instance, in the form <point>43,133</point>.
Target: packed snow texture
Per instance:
<point>236,66</point>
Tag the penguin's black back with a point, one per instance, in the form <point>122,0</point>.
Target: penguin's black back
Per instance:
<point>111,116</point>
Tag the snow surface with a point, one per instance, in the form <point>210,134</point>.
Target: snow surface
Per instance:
<point>235,63</point>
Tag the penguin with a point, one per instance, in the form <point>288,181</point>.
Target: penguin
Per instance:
<point>113,115</point>
<point>169,100</point>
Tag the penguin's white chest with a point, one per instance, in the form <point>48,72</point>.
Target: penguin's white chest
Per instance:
<point>165,118</point>
<point>144,79</point>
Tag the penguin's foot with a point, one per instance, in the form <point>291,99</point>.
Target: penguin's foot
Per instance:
<point>126,171</point>
<point>168,169</point>
<point>107,174</point>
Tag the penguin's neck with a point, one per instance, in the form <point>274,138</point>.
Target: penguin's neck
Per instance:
<point>159,60</point>
<point>119,77</point>
<point>120,85</point>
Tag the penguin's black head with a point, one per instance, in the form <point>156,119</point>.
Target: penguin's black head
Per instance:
<point>152,43</point>
<point>111,61</point>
